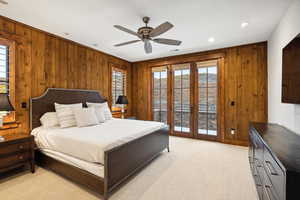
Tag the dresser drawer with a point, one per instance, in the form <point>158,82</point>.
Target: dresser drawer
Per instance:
<point>14,159</point>
<point>275,174</point>
<point>22,146</point>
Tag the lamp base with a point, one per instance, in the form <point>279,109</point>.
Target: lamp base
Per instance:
<point>123,113</point>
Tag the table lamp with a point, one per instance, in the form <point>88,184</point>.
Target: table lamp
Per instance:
<point>122,99</point>
<point>5,106</point>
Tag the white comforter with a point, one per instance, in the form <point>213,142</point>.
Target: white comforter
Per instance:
<point>90,143</point>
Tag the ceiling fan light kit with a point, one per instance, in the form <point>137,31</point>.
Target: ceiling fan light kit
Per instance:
<point>146,34</point>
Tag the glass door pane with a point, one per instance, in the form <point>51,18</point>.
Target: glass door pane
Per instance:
<point>207,97</point>
<point>160,94</point>
<point>181,99</point>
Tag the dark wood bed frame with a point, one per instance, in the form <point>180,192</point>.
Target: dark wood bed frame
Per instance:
<point>120,163</point>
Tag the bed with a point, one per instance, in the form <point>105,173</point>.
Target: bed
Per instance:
<point>102,164</point>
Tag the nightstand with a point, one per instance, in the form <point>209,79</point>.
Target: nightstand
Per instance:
<point>17,150</point>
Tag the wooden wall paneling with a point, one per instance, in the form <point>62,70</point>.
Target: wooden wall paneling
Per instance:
<point>128,90</point>
<point>7,26</point>
<point>134,90</point>
<point>101,83</point>
<point>106,78</point>
<point>221,99</point>
<point>23,75</point>
<point>61,71</point>
<point>232,57</point>
<point>262,85</point>
<point>245,86</point>
<point>37,60</point>
<point>50,61</point>
<point>244,93</point>
<point>44,60</point>
<point>72,60</point>
<point>90,59</point>
<point>82,68</point>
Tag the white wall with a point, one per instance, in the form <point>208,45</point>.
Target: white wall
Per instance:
<point>287,115</point>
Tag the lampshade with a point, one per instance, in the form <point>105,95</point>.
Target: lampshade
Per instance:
<point>122,99</point>
<point>5,104</point>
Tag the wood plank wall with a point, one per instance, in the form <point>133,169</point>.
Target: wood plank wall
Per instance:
<point>44,60</point>
<point>245,84</point>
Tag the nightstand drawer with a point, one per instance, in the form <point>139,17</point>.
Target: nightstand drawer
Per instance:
<point>22,146</point>
<point>14,159</point>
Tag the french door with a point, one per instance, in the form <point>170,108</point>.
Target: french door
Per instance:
<point>181,96</point>
<point>186,96</point>
<point>206,100</point>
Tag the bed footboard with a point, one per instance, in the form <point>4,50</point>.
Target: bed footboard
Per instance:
<point>124,161</point>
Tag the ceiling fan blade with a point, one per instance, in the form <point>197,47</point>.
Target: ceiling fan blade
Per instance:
<point>125,43</point>
<point>147,46</point>
<point>161,29</point>
<point>126,30</point>
<point>167,41</point>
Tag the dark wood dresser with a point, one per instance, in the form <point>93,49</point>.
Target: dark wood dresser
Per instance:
<point>274,156</point>
<point>17,150</point>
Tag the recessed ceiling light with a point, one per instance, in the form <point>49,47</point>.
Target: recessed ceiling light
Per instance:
<point>3,2</point>
<point>211,39</point>
<point>244,24</point>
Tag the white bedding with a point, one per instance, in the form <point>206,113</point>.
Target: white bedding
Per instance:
<point>93,168</point>
<point>90,143</point>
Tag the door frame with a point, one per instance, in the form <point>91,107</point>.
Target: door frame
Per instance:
<point>171,98</point>
<point>220,102</point>
<point>221,94</point>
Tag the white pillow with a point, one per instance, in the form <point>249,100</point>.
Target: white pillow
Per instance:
<point>65,114</point>
<point>100,114</point>
<point>49,119</point>
<point>85,117</point>
<point>101,107</point>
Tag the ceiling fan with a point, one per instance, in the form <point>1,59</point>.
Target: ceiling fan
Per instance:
<point>147,34</point>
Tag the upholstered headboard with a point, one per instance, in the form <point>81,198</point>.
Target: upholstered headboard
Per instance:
<point>45,103</point>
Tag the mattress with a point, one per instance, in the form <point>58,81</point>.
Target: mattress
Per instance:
<point>90,143</point>
<point>93,168</point>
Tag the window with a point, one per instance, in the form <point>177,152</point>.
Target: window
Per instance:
<point>160,94</point>
<point>118,85</point>
<point>4,69</point>
<point>7,73</point>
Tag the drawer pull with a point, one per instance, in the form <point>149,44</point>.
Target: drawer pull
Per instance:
<point>258,163</point>
<point>258,180</point>
<point>269,192</point>
<point>271,169</point>
<point>21,147</point>
<point>21,157</point>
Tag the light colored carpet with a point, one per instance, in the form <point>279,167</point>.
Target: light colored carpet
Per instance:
<point>193,170</point>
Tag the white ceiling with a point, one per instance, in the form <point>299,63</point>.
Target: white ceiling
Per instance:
<point>91,22</point>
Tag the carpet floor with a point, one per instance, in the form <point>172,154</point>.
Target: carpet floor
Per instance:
<point>193,170</point>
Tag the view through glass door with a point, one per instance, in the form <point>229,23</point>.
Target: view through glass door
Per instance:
<point>207,92</point>
<point>186,97</point>
<point>181,99</point>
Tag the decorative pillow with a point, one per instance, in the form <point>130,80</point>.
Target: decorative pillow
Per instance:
<point>65,114</point>
<point>85,117</point>
<point>101,107</point>
<point>49,119</point>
